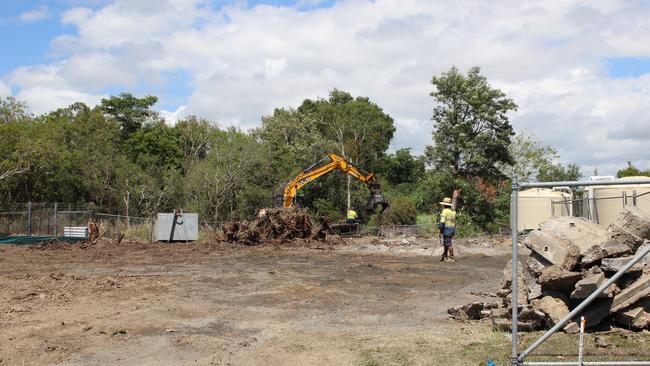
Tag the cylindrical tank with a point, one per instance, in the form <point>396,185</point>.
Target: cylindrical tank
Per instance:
<point>607,201</point>
<point>536,205</point>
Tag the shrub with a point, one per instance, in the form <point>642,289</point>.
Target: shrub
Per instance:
<point>402,211</point>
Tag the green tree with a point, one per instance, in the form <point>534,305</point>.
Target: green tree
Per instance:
<point>559,173</point>
<point>401,167</point>
<point>471,132</point>
<point>14,120</point>
<point>130,112</point>
<point>358,129</point>
<point>232,182</point>
<point>631,171</point>
<point>12,110</point>
<point>196,137</point>
<point>529,157</point>
<point>156,145</point>
<point>354,128</point>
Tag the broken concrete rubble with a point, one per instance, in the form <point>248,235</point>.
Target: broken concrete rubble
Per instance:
<point>577,230</point>
<point>555,278</point>
<point>631,227</point>
<point>554,308</point>
<point>588,285</point>
<point>534,290</point>
<point>560,274</point>
<point>636,318</point>
<point>529,319</point>
<point>615,264</point>
<point>506,283</point>
<point>594,314</point>
<point>645,260</point>
<point>536,263</point>
<point>632,294</point>
<point>558,251</point>
<point>609,249</point>
<point>473,311</point>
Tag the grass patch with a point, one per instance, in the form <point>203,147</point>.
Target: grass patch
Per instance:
<point>368,359</point>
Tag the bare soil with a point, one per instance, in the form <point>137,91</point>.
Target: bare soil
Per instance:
<point>173,304</point>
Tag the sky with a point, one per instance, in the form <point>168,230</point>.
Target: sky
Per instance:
<point>578,70</point>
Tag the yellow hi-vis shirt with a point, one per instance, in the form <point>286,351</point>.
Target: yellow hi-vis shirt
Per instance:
<point>352,215</point>
<point>448,217</point>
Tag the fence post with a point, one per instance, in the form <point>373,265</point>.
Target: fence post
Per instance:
<point>514,231</point>
<point>56,223</point>
<point>29,218</point>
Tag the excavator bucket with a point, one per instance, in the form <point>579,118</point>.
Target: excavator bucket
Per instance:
<point>377,200</point>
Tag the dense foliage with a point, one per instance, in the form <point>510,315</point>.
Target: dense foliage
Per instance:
<point>632,171</point>
<point>123,157</point>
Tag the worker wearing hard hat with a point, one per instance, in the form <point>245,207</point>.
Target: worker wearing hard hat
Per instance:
<point>352,217</point>
<point>447,228</point>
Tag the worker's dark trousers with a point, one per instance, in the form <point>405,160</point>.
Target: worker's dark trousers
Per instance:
<point>446,243</point>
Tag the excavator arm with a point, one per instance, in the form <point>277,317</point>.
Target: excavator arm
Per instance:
<point>326,165</point>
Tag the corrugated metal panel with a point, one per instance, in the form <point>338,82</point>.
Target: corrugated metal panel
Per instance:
<point>186,228</point>
<point>75,231</point>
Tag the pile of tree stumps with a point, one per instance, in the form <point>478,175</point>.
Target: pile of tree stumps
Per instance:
<point>277,225</point>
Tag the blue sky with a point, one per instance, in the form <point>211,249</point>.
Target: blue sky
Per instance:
<point>31,40</point>
<point>580,72</point>
<point>628,66</point>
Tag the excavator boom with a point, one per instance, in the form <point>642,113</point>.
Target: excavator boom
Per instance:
<point>326,165</point>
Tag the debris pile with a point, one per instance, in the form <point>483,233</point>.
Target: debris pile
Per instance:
<point>277,225</point>
<point>570,258</point>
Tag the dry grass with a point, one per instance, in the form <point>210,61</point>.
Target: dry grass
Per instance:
<point>474,344</point>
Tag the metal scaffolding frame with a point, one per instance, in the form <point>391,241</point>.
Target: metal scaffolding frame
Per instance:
<point>517,359</point>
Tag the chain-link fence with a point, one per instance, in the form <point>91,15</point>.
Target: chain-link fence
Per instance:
<point>50,219</point>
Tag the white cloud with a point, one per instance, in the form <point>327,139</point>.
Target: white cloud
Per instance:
<point>34,15</point>
<point>43,99</point>
<point>172,117</point>
<point>5,90</point>
<point>243,62</point>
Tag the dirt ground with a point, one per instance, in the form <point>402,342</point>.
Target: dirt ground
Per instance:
<point>177,304</point>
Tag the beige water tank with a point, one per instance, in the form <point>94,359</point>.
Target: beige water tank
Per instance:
<point>535,205</point>
<point>609,200</point>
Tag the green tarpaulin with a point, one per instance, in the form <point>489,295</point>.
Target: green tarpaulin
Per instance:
<point>35,239</point>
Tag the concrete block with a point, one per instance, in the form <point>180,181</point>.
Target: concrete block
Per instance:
<point>598,310</point>
<point>506,283</point>
<point>609,249</point>
<point>577,230</point>
<point>554,308</point>
<point>472,311</point>
<point>536,263</point>
<point>615,264</point>
<point>632,294</point>
<point>559,252</point>
<point>588,285</point>
<point>556,278</point>
<point>646,260</point>
<point>631,227</point>
<point>534,290</point>
<point>635,318</point>
<point>529,320</point>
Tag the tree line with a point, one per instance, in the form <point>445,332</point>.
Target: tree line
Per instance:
<point>121,156</point>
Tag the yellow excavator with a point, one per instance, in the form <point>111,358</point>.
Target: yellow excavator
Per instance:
<point>327,164</point>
